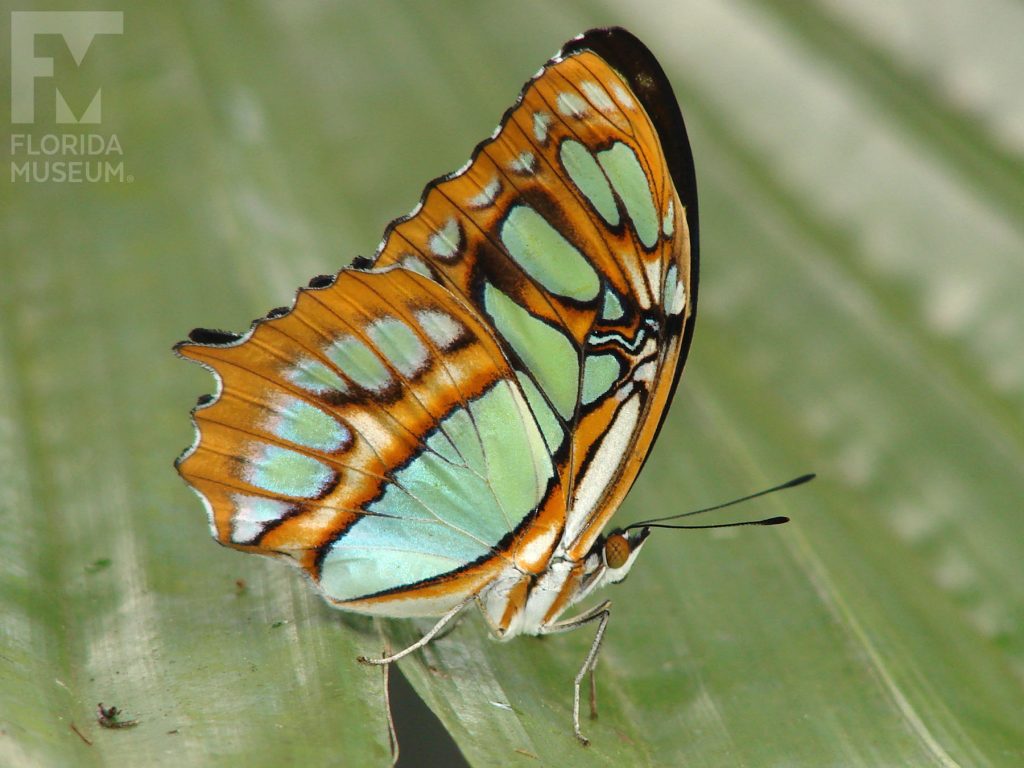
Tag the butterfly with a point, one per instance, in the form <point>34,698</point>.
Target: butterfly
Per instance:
<point>456,420</point>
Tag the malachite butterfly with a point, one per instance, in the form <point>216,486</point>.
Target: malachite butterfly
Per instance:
<point>457,419</point>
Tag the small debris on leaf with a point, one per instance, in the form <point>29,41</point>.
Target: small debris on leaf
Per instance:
<point>110,717</point>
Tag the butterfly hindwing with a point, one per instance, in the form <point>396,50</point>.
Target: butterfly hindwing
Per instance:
<point>374,434</point>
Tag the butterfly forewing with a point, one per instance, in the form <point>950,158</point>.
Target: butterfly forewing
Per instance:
<point>568,235</point>
<point>488,390</point>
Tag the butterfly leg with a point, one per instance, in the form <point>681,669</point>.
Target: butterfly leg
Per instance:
<point>599,613</point>
<point>593,690</point>
<point>392,731</point>
<point>430,635</point>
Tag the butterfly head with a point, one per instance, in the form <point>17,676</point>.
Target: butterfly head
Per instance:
<point>613,555</point>
<point>619,551</point>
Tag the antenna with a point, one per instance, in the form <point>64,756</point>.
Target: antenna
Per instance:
<point>659,522</point>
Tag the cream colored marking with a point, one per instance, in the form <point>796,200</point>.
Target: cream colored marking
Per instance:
<point>252,514</point>
<point>652,267</point>
<point>636,277</point>
<point>668,221</point>
<point>415,264</point>
<point>571,105</point>
<point>440,327</point>
<point>487,194</point>
<point>524,163</point>
<point>597,96</point>
<point>447,241</point>
<point>623,96</point>
<point>609,457</point>
<point>537,548</point>
<point>541,123</point>
<point>678,299</point>
<point>624,391</point>
<point>378,436</point>
<point>645,372</point>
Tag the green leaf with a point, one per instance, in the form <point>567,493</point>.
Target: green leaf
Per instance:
<point>861,171</point>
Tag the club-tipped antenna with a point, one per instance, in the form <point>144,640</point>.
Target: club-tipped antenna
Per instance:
<point>660,522</point>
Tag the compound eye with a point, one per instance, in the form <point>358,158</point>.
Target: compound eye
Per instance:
<point>616,550</point>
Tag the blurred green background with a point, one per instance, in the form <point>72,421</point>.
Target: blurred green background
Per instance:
<point>861,176</point>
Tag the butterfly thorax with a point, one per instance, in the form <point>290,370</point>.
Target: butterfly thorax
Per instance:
<point>519,603</point>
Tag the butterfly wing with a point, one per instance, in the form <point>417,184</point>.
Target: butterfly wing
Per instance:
<point>491,387</point>
<point>573,231</point>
